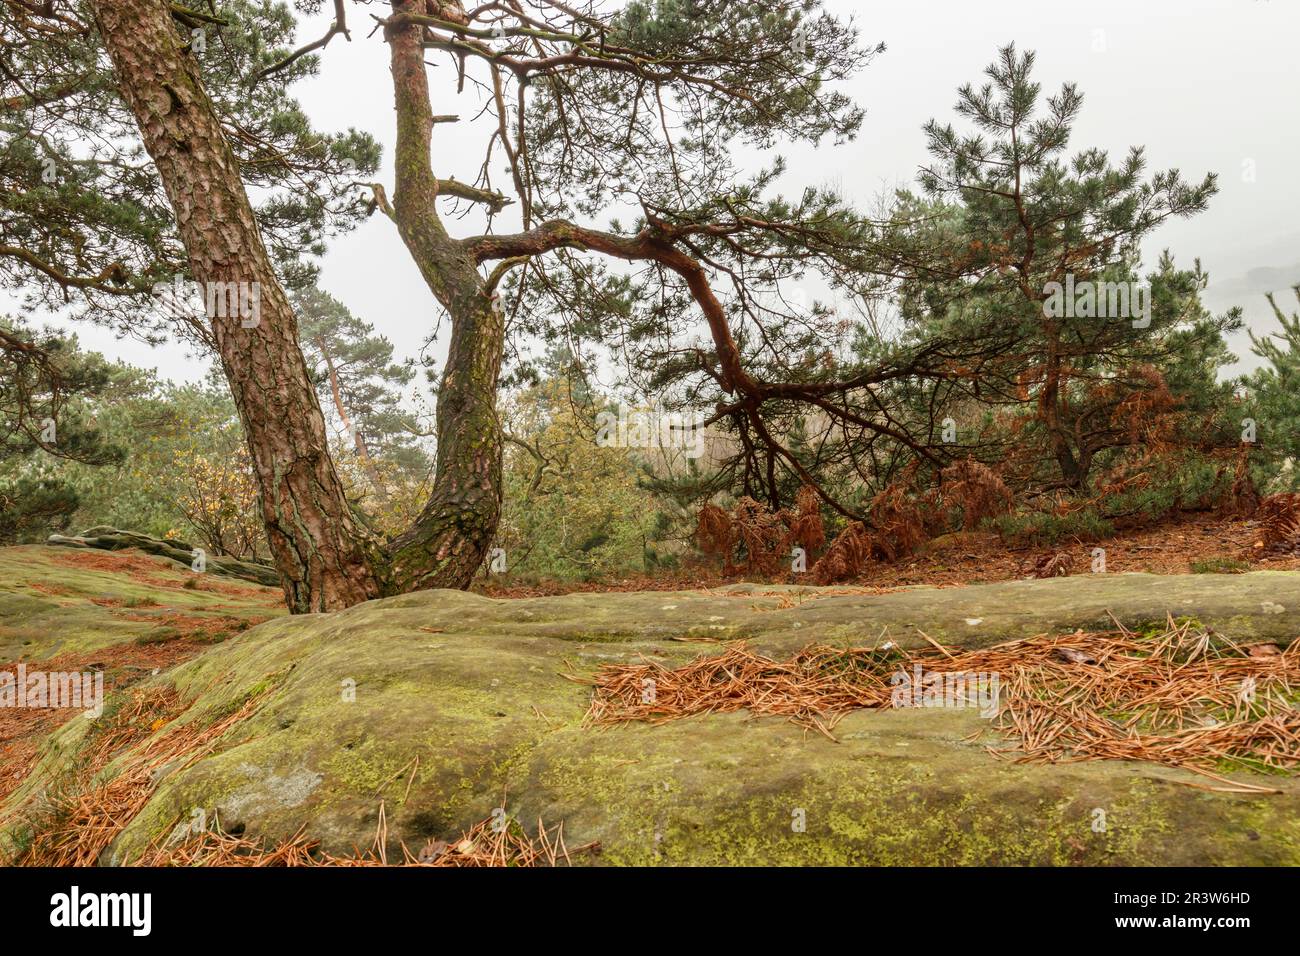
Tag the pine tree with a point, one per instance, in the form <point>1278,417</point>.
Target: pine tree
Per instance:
<point>151,105</point>
<point>356,376</point>
<point>87,223</point>
<point>1275,394</point>
<point>1038,253</point>
<point>48,387</point>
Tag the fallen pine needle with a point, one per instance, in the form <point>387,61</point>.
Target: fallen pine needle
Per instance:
<point>1185,697</point>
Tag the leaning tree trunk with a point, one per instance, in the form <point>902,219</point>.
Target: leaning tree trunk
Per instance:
<point>325,561</point>
<point>448,543</point>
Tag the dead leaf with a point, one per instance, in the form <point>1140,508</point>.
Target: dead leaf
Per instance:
<point>432,850</point>
<point>1264,650</point>
<point>1072,655</point>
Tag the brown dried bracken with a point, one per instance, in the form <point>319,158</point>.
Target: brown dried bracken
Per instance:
<point>805,521</point>
<point>977,489</point>
<point>714,535</point>
<point>1279,521</point>
<point>846,557</point>
<point>898,525</point>
<point>1057,565</point>
<point>901,519</point>
<point>1242,498</point>
<point>761,533</point>
<point>1147,414</point>
<point>763,536</point>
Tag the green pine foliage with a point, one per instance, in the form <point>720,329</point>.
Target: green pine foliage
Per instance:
<point>1273,400</point>
<point>344,351</point>
<point>86,225</point>
<point>52,397</point>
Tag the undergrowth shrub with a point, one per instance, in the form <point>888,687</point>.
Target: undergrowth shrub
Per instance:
<point>1042,528</point>
<point>757,537</point>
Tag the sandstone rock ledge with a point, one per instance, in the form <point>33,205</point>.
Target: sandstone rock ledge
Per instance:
<point>474,689</point>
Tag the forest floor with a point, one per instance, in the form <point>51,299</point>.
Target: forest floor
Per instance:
<point>400,724</point>
<point>1186,544</point>
<point>146,621</point>
<point>125,615</point>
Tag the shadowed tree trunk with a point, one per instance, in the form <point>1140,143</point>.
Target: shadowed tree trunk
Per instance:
<point>324,560</point>
<point>1074,470</point>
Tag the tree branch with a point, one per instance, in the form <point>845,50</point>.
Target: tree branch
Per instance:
<point>493,200</point>
<point>340,25</point>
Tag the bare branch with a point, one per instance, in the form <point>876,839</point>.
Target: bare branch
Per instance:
<point>340,25</point>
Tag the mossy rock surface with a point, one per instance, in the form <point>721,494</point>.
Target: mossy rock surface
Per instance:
<point>55,601</point>
<point>461,705</point>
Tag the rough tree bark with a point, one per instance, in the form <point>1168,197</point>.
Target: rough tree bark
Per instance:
<point>324,559</point>
<point>449,541</point>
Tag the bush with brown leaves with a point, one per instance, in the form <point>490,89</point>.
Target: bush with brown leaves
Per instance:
<point>977,489</point>
<point>1279,521</point>
<point>846,557</point>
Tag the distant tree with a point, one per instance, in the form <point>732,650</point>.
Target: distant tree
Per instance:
<point>216,494</point>
<point>573,508</point>
<point>48,393</point>
<point>184,472</point>
<point>356,376</point>
<point>1274,389</point>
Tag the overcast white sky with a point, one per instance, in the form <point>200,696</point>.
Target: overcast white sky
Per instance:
<point>1205,85</point>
